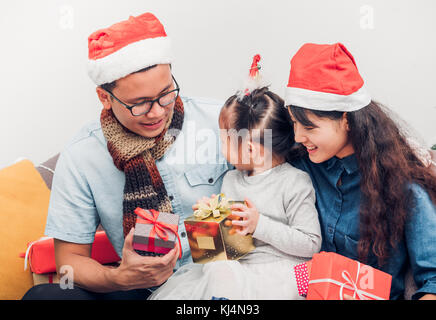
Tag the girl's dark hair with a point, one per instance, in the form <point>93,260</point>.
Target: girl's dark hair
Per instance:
<point>262,109</point>
<point>388,165</point>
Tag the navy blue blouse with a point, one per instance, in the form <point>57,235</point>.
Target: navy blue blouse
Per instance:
<point>338,209</point>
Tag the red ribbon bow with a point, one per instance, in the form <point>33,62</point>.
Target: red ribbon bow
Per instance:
<point>160,228</point>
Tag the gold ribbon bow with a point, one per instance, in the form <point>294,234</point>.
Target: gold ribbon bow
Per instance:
<point>214,206</point>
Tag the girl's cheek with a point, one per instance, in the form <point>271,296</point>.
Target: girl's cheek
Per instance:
<point>230,154</point>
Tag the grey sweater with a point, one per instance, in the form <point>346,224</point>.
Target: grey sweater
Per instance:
<point>288,224</point>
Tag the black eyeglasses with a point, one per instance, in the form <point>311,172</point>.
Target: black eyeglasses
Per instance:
<point>144,107</point>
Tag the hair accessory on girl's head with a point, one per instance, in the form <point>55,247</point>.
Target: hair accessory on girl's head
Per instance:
<point>254,80</point>
<point>254,70</point>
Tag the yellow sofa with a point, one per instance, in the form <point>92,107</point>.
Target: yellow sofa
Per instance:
<point>24,198</point>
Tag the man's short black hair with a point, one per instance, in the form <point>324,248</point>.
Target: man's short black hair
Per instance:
<point>111,85</point>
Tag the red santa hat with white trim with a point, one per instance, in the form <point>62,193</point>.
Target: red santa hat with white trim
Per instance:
<point>126,47</point>
<point>325,77</point>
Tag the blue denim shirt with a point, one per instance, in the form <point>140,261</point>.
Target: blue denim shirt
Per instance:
<point>88,189</point>
<point>338,209</point>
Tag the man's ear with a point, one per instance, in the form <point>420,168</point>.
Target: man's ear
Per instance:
<point>104,97</point>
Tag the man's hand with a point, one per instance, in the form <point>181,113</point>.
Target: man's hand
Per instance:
<point>249,215</point>
<point>136,271</point>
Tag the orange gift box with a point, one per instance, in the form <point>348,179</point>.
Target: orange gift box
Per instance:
<point>41,256</point>
<point>333,275</point>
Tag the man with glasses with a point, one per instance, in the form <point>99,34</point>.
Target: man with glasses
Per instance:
<point>143,107</point>
<point>142,153</point>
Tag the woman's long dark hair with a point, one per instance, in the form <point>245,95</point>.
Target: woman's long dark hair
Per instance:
<point>388,165</point>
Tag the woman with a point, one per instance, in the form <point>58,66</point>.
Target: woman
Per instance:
<point>375,198</point>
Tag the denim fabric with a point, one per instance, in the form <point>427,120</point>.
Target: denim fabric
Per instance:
<point>338,209</point>
<point>88,189</point>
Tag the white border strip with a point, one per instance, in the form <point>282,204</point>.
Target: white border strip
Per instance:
<point>46,168</point>
<point>316,100</point>
<point>131,58</point>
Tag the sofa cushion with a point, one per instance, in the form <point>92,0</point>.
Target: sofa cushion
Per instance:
<point>24,199</point>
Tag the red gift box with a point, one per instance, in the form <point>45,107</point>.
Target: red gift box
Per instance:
<point>41,255</point>
<point>333,275</point>
<point>156,233</point>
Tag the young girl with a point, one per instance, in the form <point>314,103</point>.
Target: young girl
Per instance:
<point>375,197</point>
<point>280,208</point>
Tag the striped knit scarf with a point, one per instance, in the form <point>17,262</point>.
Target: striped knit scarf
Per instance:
<point>136,156</point>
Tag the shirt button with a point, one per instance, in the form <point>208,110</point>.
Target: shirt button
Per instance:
<point>330,230</point>
<point>210,180</point>
<point>171,198</point>
<point>183,234</point>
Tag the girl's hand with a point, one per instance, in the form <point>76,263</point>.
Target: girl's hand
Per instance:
<point>204,199</point>
<point>249,215</point>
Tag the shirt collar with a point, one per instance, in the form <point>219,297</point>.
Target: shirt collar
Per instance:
<point>349,163</point>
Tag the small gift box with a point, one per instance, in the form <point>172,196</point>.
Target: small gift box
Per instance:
<point>156,233</point>
<point>211,234</point>
<point>332,275</point>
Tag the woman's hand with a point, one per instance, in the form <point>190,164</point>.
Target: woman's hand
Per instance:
<point>428,296</point>
<point>249,215</point>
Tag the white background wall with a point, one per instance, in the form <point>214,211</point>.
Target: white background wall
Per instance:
<point>46,95</point>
